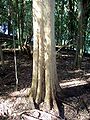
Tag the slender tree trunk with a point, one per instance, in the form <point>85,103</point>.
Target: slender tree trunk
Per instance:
<point>62,17</point>
<point>71,25</point>
<point>1,55</point>
<point>9,17</point>
<point>79,51</point>
<point>85,16</point>
<point>58,23</point>
<point>22,21</point>
<point>18,28</point>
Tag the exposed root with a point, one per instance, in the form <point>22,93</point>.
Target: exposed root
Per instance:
<point>39,115</point>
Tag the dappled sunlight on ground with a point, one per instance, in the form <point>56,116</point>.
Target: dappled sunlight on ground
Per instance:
<point>75,85</point>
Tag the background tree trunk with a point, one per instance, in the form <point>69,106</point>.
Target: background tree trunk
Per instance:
<point>1,55</point>
<point>17,19</point>
<point>71,22</point>
<point>79,50</point>
<point>9,16</point>
<point>62,17</point>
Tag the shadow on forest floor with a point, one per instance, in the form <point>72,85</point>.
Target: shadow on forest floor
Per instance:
<point>76,103</point>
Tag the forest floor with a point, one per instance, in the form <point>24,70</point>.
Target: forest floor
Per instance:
<point>76,105</point>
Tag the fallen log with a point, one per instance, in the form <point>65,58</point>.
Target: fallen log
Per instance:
<point>74,83</point>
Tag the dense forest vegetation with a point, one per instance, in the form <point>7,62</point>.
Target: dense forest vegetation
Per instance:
<point>45,50</point>
<point>72,23</point>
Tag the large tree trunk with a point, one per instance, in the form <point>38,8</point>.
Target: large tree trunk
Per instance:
<point>44,82</point>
